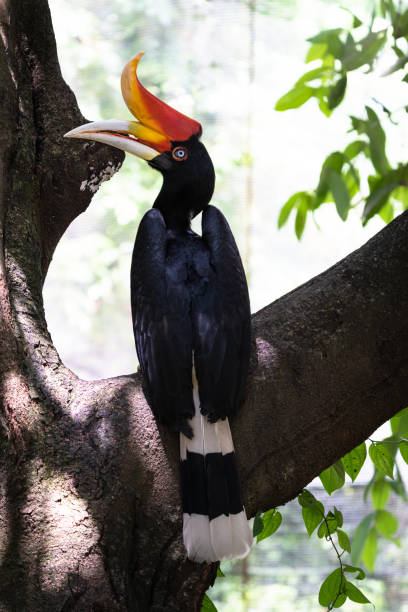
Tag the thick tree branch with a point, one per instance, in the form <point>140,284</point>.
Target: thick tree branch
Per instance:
<point>332,367</point>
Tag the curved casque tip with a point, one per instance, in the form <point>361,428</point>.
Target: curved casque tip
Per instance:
<point>153,112</point>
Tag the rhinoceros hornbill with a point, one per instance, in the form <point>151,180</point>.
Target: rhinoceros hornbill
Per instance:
<point>191,315</point>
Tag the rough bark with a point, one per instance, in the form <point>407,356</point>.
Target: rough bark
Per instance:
<point>90,515</point>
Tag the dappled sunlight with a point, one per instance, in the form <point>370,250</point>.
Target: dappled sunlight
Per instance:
<point>66,531</point>
<point>11,385</point>
<point>266,354</point>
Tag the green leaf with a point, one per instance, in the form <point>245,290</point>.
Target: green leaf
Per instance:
<point>358,125</point>
<point>333,477</point>
<point>294,98</point>
<point>354,460</point>
<point>316,51</point>
<point>403,448</point>
<point>389,6</point>
<point>333,162</point>
<point>344,541</point>
<point>220,573</point>
<point>360,537</point>
<point>328,526</point>
<point>386,523</point>
<point>312,518</point>
<point>382,459</point>
<point>387,212</point>
<point>354,148</point>
<point>398,486</point>
<point>370,549</point>
<point>355,594</point>
<point>340,193</point>
<point>321,96</point>
<point>378,198</point>
<point>207,605</point>
<point>330,588</point>
<point>399,423</point>
<point>290,204</point>
<point>352,569</point>
<point>332,39</point>
<point>316,73</point>
<point>352,180</point>
<point>376,137</point>
<point>312,510</point>
<point>300,220</point>
<point>271,523</point>
<point>324,35</point>
<point>323,532</point>
<point>364,51</point>
<point>397,50</point>
<point>338,516</point>
<point>339,601</point>
<point>401,194</point>
<point>307,500</point>
<point>380,493</point>
<point>337,92</point>
<point>356,21</point>
<point>400,24</point>
<point>258,524</point>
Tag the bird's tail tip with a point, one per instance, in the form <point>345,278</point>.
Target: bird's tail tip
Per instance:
<point>220,539</point>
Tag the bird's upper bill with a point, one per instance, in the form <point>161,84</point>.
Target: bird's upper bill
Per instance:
<point>157,125</point>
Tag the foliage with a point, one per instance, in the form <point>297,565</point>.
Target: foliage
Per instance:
<point>336,588</point>
<point>363,546</point>
<point>266,524</point>
<point>361,174</point>
<point>379,523</point>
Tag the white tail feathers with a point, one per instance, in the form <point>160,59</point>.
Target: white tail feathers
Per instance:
<point>227,535</point>
<point>221,539</point>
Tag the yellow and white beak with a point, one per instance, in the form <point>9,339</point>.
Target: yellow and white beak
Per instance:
<point>157,125</point>
<point>119,134</point>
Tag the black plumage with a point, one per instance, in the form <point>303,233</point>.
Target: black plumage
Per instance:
<point>189,295</point>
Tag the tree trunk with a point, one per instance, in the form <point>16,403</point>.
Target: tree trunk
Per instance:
<point>90,515</point>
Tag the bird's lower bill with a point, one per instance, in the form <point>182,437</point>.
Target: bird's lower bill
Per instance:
<point>130,136</point>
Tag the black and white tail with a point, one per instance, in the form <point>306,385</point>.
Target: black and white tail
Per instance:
<point>215,526</point>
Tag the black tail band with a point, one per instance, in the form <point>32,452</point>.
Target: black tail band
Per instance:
<point>210,484</point>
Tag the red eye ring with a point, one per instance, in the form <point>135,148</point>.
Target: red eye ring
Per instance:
<point>180,154</point>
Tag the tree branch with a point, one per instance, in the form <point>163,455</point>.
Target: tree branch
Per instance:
<point>332,367</point>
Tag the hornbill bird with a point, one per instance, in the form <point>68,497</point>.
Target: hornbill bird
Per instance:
<point>191,315</point>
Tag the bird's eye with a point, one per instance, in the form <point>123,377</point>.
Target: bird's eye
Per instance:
<point>179,153</point>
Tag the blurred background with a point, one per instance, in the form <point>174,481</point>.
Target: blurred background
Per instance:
<point>225,63</point>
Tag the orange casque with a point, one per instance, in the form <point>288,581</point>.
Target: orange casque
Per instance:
<point>159,123</point>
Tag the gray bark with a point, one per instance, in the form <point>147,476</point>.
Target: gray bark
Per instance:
<point>90,515</point>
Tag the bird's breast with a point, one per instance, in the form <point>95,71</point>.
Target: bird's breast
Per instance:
<point>188,268</point>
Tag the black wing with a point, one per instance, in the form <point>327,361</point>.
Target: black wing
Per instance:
<point>162,327</point>
<point>222,323</point>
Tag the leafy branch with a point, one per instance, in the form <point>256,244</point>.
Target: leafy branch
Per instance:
<point>339,51</point>
<point>335,589</point>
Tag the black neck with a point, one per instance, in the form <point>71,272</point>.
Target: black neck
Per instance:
<point>175,207</point>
